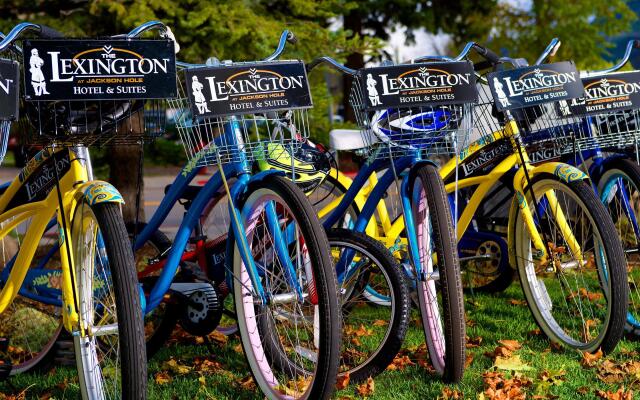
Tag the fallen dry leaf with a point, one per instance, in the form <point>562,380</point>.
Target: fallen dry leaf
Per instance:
<point>591,359</point>
<point>399,363</point>
<point>451,394</point>
<point>343,381</point>
<point>511,345</point>
<point>513,363</point>
<point>517,302</point>
<point>380,322</point>
<point>173,366</point>
<point>468,360</point>
<point>162,377</point>
<point>620,394</point>
<point>367,388</point>
<point>473,342</point>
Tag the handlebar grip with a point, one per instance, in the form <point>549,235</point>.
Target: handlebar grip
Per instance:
<point>291,38</point>
<point>49,33</point>
<point>488,54</point>
<point>636,44</point>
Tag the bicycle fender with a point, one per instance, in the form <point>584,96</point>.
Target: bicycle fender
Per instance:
<point>602,166</point>
<point>96,192</point>
<point>263,174</point>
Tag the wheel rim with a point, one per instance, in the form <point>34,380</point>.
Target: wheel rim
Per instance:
<point>98,351</point>
<point>621,195</point>
<point>430,309</point>
<point>560,291</point>
<point>282,358</point>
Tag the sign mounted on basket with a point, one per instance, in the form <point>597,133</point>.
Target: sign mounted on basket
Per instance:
<point>529,86</point>
<point>247,89</point>
<point>608,93</point>
<point>9,78</point>
<point>99,69</point>
<point>416,85</point>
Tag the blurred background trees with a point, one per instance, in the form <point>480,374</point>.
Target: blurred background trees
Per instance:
<point>355,32</point>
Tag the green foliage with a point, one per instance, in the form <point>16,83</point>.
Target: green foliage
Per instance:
<point>583,29</point>
<point>237,30</point>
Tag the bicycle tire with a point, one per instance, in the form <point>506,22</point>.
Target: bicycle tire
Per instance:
<point>329,189</point>
<point>400,306</point>
<point>628,170</point>
<point>427,183</point>
<point>538,293</point>
<point>130,353</point>
<point>261,346</point>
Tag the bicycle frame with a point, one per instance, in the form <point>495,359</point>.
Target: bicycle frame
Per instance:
<point>389,231</point>
<point>373,200</point>
<point>507,153</point>
<point>236,170</point>
<point>46,199</point>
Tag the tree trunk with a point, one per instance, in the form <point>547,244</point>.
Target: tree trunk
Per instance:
<point>123,174</point>
<point>125,171</point>
<point>352,22</point>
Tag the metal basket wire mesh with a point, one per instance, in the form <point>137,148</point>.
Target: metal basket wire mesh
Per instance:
<point>242,138</point>
<point>547,130</point>
<point>427,130</point>
<point>94,123</point>
<point>551,130</point>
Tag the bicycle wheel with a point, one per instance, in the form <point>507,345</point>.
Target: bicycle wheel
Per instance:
<point>578,301</point>
<point>440,288</point>
<point>31,327</point>
<point>110,351</point>
<point>372,335</point>
<point>619,189</point>
<point>292,341</point>
<point>160,322</point>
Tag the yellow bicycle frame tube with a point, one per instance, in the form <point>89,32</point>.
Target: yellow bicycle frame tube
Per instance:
<point>32,194</point>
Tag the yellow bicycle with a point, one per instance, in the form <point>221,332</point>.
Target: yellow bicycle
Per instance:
<point>560,238</point>
<point>67,259</point>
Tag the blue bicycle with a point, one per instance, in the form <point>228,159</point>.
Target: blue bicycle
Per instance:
<point>429,228</point>
<point>276,264</point>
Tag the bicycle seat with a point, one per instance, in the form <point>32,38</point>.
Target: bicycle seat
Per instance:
<point>350,139</point>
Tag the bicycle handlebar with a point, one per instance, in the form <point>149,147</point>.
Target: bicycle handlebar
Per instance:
<point>550,51</point>
<point>46,32</point>
<point>486,53</point>
<point>332,63</point>
<point>632,44</point>
<point>286,36</point>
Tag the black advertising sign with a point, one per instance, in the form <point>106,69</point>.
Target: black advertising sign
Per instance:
<point>529,86</point>
<point>415,85</point>
<point>99,69</point>
<point>9,87</point>
<point>247,89</point>
<point>613,92</point>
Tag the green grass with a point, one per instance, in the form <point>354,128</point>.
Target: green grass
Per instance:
<point>491,317</point>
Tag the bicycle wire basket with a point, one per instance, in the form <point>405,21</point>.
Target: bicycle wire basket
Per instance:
<point>98,123</point>
<point>553,130</point>
<point>239,138</point>
<point>424,130</point>
<point>546,129</point>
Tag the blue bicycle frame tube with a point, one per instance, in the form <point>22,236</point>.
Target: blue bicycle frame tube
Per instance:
<point>410,227</point>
